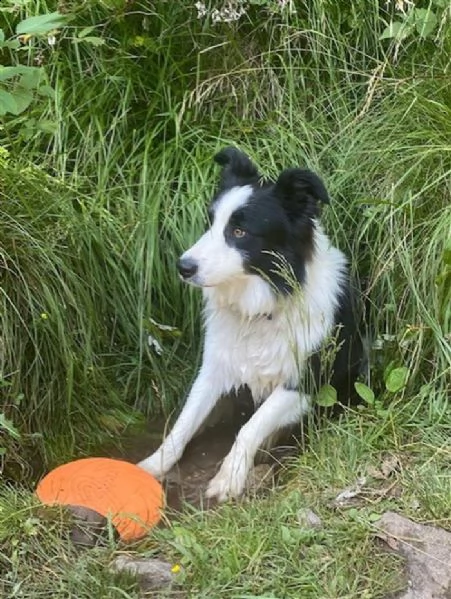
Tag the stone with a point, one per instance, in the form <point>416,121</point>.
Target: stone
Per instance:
<point>308,520</point>
<point>150,573</point>
<point>88,527</point>
<point>427,551</point>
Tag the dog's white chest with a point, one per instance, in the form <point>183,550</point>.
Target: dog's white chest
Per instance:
<point>257,352</point>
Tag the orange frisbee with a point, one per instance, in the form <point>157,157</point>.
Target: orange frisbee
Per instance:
<point>126,493</point>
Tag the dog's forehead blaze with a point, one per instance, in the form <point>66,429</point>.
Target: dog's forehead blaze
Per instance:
<point>229,202</point>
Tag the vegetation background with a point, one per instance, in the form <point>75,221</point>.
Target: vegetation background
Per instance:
<point>110,112</point>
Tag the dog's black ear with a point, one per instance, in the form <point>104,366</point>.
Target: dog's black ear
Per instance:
<point>237,168</point>
<point>300,192</point>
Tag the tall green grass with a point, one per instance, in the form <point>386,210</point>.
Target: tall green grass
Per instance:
<point>91,231</point>
<point>73,355</point>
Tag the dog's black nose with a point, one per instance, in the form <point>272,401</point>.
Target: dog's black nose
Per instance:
<point>187,267</point>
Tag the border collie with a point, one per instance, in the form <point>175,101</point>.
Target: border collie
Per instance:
<point>277,294</point>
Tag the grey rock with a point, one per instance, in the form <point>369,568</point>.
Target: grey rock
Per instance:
<point>427,551</point>
<point>307,519</point>
<point>88,527</point>
<point>150,573</point>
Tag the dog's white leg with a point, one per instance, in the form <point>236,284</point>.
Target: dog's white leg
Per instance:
<point>204,394</point>
<point>281,409</point>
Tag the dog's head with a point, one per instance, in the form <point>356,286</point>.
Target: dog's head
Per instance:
<point>257,229</point>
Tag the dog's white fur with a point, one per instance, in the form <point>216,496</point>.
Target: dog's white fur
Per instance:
<point>245,347</point>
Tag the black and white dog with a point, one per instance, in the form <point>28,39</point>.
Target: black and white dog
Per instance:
<point>276,293</point>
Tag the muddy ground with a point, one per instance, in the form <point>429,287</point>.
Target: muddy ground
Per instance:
<point>188,480</point>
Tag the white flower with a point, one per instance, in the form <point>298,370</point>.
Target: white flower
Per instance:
<point>51,40</point>
<point>231,11</point>
<point>156,345</point>
<point>402,5</point>
<point>201,9</point>
<point>228,13</point>
<point>287,5</point>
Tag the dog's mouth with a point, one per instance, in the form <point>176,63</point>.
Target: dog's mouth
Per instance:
<point>194,281</point>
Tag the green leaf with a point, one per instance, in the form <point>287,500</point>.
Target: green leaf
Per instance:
<point>11,44</point>
<point>90,39</point>
<point>47,126</point>
<point>19,399</point>
<point>30,126</point>
<point>397,379</point>
<point>391,30</point>
<point>327,396</point>
<point>30,79</point>
<point>365,392</point>
<point>10,72</point>
<point>425,21</point>
<point>47,91</point>
<point>396,30</point>
<point>4,384</point>
<point>8,103</point>
<point>41,24</point>
<point>286,534</point>
<point>8,426</point>
<point>2,36</point>
<point>374,517</point>
<point>86,31</point>
<point>23,100</point>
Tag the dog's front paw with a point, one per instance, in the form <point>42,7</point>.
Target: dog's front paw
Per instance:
<point>230,480</point>
<point>155,465</point>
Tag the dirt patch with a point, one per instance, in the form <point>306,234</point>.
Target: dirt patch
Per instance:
<point>188,480</point>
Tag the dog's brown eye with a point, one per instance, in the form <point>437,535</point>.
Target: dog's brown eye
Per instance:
<point>238,233</point>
